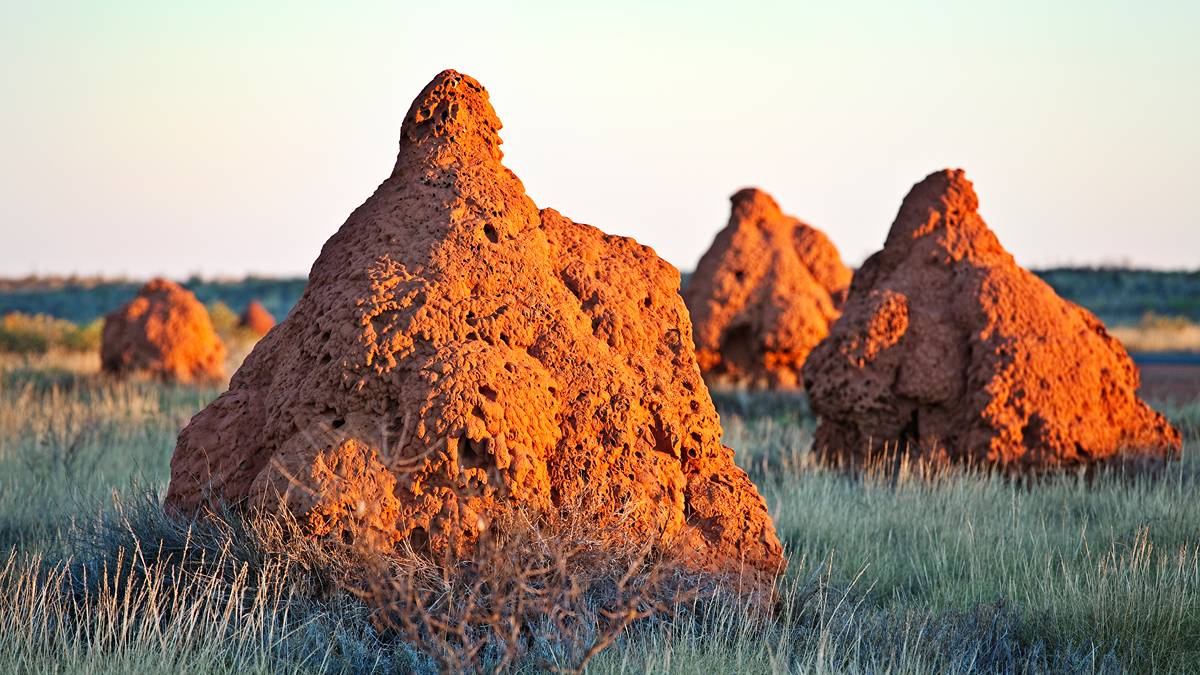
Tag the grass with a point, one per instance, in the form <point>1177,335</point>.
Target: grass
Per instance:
<point>959,572</point>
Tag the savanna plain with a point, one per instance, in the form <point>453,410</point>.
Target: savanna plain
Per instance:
<point>898,568</point>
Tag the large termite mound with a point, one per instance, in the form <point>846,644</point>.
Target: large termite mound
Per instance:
<point>763,295</point>
<point>457,353</point>
<point>164,332</point>
<point>947,346</point>
<point>256,319</point>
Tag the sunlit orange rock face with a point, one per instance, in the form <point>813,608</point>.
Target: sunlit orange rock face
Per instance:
<point>947,346</point>
<point>457,353</point>
<point>763,295</point>
<point>256,318</point>
<point>164,333</point>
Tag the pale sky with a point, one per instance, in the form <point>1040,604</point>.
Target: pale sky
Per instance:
<point>227,138</point>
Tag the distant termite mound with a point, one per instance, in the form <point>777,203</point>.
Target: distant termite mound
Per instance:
<point>458,353</point>
<point>763,295</point>
<point>164,333</point>
<point>256,319</point>
<point>948,347</point>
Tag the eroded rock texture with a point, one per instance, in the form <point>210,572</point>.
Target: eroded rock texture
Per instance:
<point>256,319</point>
<point>947,346</point>
<point>164,332</point>
<point>458,352</point>
<point>763,295</point>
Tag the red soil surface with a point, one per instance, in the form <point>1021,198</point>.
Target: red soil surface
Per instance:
<point>459,352</point>
<point>165,333</point>
<point>1176,383</point>
<point>763,295</point>
<point>947,346</point>
<point>256,318</point>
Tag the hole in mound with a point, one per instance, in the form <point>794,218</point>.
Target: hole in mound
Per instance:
<point>1032,432</point>
<point>662,441</point>
<point>487,391</point>
<point>472,454</point>
<point>738,348</point>
<point>490,232</point>
<point>338,423</point>
<point>419,538</point>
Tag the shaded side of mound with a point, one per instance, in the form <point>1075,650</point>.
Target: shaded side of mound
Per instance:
<point>163,332</point>
<point>256,319</point>
<point>459,353</point>
<point>947,346</point>
<point>763,295</point>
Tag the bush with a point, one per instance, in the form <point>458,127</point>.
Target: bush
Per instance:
<point>38,334</point>
<point>224,319</point>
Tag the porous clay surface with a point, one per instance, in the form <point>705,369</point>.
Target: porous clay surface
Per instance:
<point>256,319</point>
<point>165,333</point>
<point>946,346</point>
<point>763,295</point>
<point>458,352</point>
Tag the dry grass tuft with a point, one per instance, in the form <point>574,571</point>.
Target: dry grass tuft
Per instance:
<point>1158,333</point>
<point>557,581</point>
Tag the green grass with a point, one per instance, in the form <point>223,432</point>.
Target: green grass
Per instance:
<point>958,572</point>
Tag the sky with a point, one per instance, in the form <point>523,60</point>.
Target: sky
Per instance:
<point>228,138</point>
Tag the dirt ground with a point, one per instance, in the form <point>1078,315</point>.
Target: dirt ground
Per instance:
<point>1177,382</point>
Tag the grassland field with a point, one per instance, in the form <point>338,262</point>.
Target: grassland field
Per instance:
<point>959,571</point>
